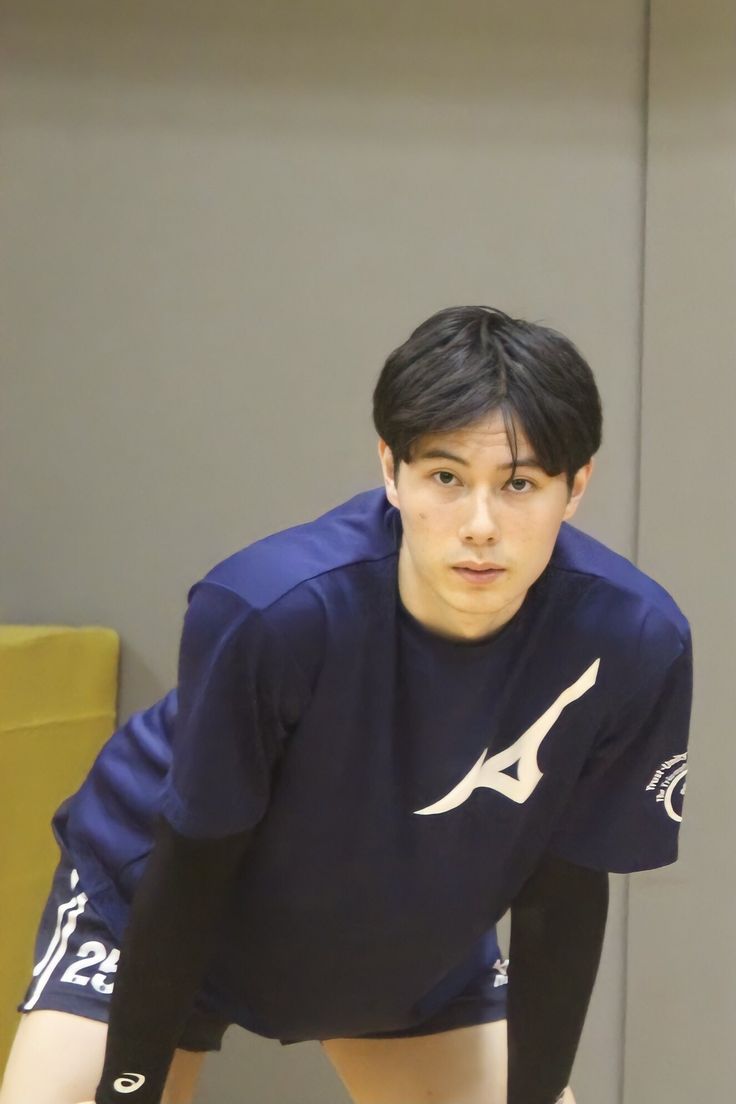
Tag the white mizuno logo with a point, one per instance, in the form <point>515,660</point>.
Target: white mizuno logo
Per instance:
<point>502,972</point>
<point>489,773</point>
<point>129,1083</point>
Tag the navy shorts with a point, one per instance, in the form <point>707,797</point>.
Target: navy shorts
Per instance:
<point>76,957</point>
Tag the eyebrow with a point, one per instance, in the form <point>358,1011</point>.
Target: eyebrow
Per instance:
<point>442,454</point>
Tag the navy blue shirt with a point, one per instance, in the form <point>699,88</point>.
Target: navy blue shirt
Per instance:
<point>403,785</point>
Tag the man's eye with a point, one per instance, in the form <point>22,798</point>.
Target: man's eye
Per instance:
<point>443,482</point>
<point>512,483</point>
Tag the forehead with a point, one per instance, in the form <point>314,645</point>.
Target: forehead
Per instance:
<point>488,433</point>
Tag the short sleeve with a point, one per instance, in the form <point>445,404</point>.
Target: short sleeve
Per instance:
<point>238,698</point>
<point>625,810</point>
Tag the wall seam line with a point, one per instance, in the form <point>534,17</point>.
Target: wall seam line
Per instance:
<point>646,76</point>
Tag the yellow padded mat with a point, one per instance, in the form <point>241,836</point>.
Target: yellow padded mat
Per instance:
<point>58,705</point>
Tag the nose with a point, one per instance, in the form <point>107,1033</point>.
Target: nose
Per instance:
<point>481,524</point>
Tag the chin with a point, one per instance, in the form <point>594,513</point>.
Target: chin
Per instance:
<point>468,606</point>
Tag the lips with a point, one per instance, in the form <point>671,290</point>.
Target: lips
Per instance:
<point>470,565</point>
<point>477,575</point>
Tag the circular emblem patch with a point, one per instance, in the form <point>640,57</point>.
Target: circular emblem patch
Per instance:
<point>668,784</point>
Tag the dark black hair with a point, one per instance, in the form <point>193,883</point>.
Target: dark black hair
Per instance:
<point>464,362</point>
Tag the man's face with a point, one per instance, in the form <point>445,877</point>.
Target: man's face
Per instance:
<point>458,506</point>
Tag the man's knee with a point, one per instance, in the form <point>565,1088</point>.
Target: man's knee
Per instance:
<point>56,1058</point>
<point>183,1076</point>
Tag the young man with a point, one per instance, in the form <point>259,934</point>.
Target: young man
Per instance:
<point>434,703</point>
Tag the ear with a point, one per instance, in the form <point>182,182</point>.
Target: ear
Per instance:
<point>389,472</point>
<point>580,482</point>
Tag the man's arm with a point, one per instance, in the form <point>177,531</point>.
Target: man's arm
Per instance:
<point>164,954</point>
<point>558,922</point>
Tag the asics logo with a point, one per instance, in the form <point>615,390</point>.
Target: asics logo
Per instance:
<point>490,773</point>
<point>129,1083</point>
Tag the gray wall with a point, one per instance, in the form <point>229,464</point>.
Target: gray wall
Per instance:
<point>682,920</point>
<point>217,221</point>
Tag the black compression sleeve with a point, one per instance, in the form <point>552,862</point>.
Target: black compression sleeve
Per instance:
<point>557,926</point>
<point>163,957</point>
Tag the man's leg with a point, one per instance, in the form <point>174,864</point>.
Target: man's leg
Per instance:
<point>57,1058</point>
<point>463,1066</point>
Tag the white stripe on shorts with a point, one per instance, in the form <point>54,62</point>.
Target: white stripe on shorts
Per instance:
<point>59,941</point>
<point>73,881</point>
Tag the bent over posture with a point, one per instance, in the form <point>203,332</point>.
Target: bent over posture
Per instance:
<point>436,702</point>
